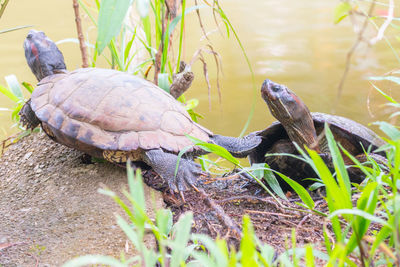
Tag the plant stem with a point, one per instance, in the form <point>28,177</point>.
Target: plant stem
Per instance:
<point>3,7</point>
<point>351,51</point>
<point>81,38</point>
<point>181,35</point>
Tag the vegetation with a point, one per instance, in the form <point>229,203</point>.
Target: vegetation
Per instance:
<point>364,218</point>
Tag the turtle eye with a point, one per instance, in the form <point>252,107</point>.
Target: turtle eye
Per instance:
<point>275,88</point>
<point>30,35</point>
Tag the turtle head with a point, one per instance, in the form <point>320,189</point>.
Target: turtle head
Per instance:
<point>42,55</point>
<point>291,111</point>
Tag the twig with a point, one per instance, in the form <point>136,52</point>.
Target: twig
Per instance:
<point>157,61</point>
<point>250,199</point>
<point>269,213</point>
<point>81,38</point>
<point>387,22</point>
<point>3,7</point>
<point>201,22</point>
<point>351,51</point>
<point>222,216</point>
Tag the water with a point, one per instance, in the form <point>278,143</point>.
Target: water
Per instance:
<point>293,42</point>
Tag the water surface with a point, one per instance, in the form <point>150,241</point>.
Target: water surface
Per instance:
<point>293,42</point>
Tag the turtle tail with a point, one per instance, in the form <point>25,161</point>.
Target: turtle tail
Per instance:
<point>28,117</point>
<point>238,147</point>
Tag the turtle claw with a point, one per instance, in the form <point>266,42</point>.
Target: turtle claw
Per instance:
<point>165,164</point>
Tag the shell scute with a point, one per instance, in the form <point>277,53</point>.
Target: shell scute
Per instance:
<point>111,110</point>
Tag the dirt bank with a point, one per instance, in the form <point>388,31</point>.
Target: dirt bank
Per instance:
<point>50,210</point>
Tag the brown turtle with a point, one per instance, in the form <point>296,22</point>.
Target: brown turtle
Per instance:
<point>297,124</point>
<point>116,116</point>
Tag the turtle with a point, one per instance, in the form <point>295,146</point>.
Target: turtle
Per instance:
<point>116,116</point>
<point>297,124</point>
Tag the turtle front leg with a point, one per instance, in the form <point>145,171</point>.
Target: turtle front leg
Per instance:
<point>28,117</point>
<point>165,164</point>
<point>238,147</point>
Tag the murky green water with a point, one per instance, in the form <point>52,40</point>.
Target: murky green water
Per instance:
<point>292,42</point>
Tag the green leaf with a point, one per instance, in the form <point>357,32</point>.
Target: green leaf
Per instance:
<point>5,91</point>
<point>176,20</point>
<point>93,260</point>
<point>191,104</point>
<point>13,84</point>
<point>216,149</point>
<point>29,87</point>
<point>362,213</point>
<point>216,256</point>
<point>367,202</point>
<point>300,190</point>
<point>182,234</point>
<point>163,81</point>
<point>338,162</point>
<point>143,7</point>
<point>111,16</point>
<point>388,98</point>
<point>309,256</point>
<point>394,79</point>
<point>133,235</point>
<point>247,244</point>
<point>388,129</point>
<point>263,171</point>
<point>341,11</point>
<point>164,221</point>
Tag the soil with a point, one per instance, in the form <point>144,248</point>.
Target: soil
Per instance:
<point>51,211</point>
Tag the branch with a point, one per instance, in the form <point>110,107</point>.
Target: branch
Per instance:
<point>81,38</point>
<point>387,22</point>
<point>351,51</point>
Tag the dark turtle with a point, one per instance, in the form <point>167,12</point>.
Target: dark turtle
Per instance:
<point>116,116</point>
<point>296,124</point>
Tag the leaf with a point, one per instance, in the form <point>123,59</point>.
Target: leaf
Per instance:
<point>191,104</point>
<point>263,171</point>
<point>164,220</point>
<point>13,84</point>
<point>300,190</point>
<point>388,78</point>
<point>15,28</point>
<point>341,11</point>
<point>29,87</point>
<point>163,81</point>
<point>216,255</point>
<point>182,235</point>
<point>111,16</point>
<point>388,98</point>
<point>176,20</point>
<point>362,213</point>
<point>247,244</point>
<point>216,149</point>
<point>5,91</point>
<point>93,260</point>
<point>338,162</point>
<point>143,7</point>
<point>388,129</point>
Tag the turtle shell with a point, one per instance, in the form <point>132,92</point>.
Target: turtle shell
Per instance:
<point>353,136</point>
<point>104,109</point>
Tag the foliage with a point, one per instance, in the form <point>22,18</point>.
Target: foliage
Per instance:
<point>176,245</point>
<point>13,92</point>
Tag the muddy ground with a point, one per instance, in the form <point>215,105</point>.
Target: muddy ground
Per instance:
<point>50,210</point>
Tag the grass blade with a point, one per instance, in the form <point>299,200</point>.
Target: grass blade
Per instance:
<point>111,15</point>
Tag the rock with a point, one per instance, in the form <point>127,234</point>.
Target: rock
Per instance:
<point>47,196</point>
